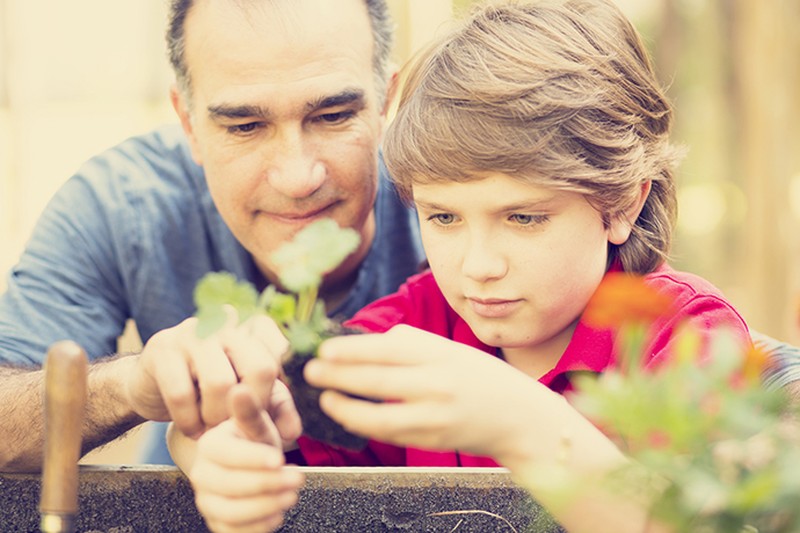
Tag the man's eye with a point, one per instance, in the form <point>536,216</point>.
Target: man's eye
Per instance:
<point>335,118</point>
<point>243,129</point>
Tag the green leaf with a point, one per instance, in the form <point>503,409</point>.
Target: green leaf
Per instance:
<point>282,308</point>
<point>216,290</point>
<point>221,288</point>
<point>210,319</point>
<point>315,250</point>
<point>303,338</point>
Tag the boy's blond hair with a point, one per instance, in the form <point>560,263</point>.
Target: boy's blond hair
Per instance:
<point>557,93</point>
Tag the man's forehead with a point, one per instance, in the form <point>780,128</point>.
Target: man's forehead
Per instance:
<point>282,12</point>
<point>289,36</point>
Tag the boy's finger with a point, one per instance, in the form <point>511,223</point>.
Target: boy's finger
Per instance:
<point>247,414</point>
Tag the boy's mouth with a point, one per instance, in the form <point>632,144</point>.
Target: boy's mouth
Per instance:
<point>493,307</point>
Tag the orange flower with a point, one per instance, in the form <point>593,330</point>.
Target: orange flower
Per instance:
<point>623,299</point>
<point>755,362</point>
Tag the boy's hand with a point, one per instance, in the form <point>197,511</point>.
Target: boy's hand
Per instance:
<point>439,394</point>
<point>239,477</point>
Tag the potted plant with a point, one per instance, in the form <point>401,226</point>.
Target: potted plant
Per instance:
<point>316,250</point>
<point>712,448</point>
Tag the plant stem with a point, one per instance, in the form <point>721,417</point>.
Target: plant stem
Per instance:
<point>305,303</point>
<point>634,336</point>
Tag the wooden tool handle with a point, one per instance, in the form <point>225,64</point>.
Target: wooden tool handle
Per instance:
<point>64,404</point>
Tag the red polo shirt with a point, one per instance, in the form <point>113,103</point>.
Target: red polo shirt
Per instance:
<point>420,303</point>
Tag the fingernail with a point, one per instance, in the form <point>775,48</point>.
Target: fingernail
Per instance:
<point>312,370</point>
<point>274,460</point>
<point>322,351</point>
<point>328,349</point>
<point>292,477</point>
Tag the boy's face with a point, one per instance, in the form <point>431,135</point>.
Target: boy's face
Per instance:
<point>517,261</point>
<point>285,116</point>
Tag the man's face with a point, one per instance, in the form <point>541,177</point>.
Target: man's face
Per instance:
<point>285,117</point>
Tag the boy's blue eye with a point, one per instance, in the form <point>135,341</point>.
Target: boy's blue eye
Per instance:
<point>527,220</point>
<point>442,218</point>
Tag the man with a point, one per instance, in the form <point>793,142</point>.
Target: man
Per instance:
<point>282,104</point>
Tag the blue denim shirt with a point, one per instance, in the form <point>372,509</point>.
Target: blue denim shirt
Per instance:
<point>785,360</point>
<point>129,236</point>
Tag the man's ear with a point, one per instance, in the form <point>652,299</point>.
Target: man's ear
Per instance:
<point>392,87</point>
<point>621,225</point>
<point>181,107</point>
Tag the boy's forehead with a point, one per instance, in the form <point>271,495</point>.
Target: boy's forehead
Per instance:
<point>497,186</point>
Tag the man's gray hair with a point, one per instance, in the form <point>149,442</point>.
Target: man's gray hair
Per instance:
<point>382,34</point>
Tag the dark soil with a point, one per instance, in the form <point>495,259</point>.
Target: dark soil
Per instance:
<point>316,424</point>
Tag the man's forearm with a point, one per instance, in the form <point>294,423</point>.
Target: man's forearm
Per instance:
<point>108,414</point>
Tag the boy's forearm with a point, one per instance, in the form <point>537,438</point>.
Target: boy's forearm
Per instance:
<point>107,416</point>
<point>565,469</point>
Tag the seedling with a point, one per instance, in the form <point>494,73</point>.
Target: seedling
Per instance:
<point>316,250</point>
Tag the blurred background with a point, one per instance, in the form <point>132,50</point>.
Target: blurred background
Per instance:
<point>78,77</point>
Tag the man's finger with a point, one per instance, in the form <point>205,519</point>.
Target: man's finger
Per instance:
<point>179,394</point>
<point>215,377</point>
<point>253,362</point>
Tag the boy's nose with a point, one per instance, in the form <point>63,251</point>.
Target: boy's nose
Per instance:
<point>481,262</point>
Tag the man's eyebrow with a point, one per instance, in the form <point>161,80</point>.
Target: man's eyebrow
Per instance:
<point>345,97</point>
<point>237,111</point>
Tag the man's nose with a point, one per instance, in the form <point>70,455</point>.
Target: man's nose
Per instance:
<point>293,168</point>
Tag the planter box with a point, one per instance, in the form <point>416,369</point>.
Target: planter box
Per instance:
<point>122,499</point>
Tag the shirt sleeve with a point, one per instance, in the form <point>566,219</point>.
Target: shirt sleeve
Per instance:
<point>784,359</point>
<point>66,284</point>
<point>709,315</point>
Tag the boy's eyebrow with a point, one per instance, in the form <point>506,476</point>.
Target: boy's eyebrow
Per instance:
<point>431,206</point>
<point>519,206</point>
<point>529,204</point>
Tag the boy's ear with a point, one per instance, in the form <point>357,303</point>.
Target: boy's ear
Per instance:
<point>181,108</point>
<point>620,226</point>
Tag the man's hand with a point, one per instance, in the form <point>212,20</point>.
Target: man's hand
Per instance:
<point>239,477</point>
<point>184,378</point>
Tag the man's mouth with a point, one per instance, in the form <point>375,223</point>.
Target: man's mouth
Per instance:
<point>302,216</point>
